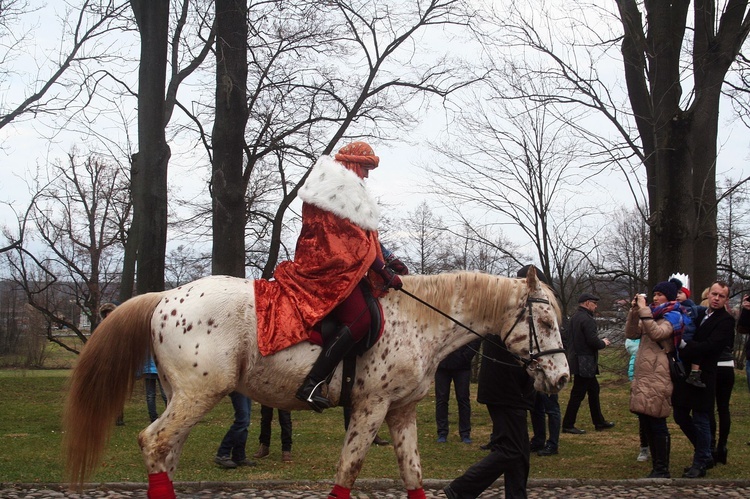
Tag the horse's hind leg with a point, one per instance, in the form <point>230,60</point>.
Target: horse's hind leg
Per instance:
<point>161,442</point>
<point>403,425</point>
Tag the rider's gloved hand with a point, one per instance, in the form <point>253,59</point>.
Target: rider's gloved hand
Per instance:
<point>398,266</point>
<point>391,278</point>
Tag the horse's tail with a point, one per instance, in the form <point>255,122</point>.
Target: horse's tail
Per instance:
<point>102,381</point>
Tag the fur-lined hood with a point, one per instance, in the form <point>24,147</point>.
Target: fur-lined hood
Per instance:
<point>332,187</point>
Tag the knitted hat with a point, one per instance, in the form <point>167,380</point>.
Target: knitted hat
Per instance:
<point>668,289</point>
<point>358,154</point>
<point>678,284</point>
<point>682,281</point>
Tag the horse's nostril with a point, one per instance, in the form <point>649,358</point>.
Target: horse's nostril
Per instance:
<point>562,382</point>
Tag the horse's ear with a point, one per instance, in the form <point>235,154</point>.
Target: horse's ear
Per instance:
<point>531,279</point>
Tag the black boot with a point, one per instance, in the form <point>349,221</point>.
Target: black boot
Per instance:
<point>720,454</point>
<point>311,390</point>
<point>660,449</point>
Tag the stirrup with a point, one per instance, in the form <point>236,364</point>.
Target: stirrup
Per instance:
<point>308,393</point>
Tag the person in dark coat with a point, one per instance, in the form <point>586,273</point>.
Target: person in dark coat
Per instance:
<point>583,357</point>
<point>546,413</point>
<point>692,405</point>
<point>456,368</point>
<point>508,391</point>
<point>743,327</point>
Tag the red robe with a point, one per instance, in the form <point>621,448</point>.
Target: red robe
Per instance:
<point>332,255</point>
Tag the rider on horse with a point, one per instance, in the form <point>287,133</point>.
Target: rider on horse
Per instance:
<point>338,252</point>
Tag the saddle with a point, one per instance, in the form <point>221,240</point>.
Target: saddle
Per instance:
<point>329,327</point>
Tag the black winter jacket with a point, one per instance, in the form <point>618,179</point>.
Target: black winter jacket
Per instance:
<point>505,383</point>
<point>743,327</point>
<point>460,358</point>
<point>583,338</point>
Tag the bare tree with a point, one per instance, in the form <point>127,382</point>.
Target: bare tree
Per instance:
<point>149,173</point>
<point>514,166</point>
<point>734,235</point>
<point>425,249</point>
<point>626,251</point>
<point>148,234</point>
<point>184,264</point>
<point>474,248</point>
<point>668,132</point>
<point>322,72</point>
<point>75,262</point>
<point>51,93</point>
<point>228,138</point>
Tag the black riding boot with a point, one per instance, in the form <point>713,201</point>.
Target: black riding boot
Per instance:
<point>660,448</point>
<point>311,390</point>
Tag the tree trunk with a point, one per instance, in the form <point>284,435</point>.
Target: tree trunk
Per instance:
<point>679,146</point>
<point>228,185</point>
<point>149,179</point>
<point>127,278</point>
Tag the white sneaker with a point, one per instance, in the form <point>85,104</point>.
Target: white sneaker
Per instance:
<point>643,455</point>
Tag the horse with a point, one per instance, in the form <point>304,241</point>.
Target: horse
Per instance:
<point>202,336</point>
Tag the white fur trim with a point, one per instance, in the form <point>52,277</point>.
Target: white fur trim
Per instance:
<point>332,187</point>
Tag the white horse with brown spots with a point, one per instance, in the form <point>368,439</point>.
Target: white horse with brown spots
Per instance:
<point>202,335</point>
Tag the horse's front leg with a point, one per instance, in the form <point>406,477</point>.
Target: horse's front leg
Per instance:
<point>403,425</point>
<point>363,427</point>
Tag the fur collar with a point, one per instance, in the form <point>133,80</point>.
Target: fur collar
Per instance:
<point>331,187</point>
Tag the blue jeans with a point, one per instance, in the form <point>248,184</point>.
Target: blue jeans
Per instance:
<point>697,428</point>
<point>545,405</point>
<point>461,379</point>
<point>150,381</point>
<point>747,371</point>
<point>233,444</point>
<point>702,423</point>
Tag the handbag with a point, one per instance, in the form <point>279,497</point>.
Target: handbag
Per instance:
<point>676,367</point>
<point>587,366</point>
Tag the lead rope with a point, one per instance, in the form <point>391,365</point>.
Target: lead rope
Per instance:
<point>526,362</point>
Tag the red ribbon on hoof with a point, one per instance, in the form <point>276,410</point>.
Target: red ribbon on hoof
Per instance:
<point>416,494</point>
<point>340,492</point>
<point>160,486</point>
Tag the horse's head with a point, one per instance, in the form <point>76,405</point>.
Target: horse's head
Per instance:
<point>535,337</point>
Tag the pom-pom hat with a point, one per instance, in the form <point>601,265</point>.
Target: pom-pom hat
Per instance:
<point>668,289</point>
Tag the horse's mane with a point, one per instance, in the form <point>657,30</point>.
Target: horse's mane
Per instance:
<point>485,294</point>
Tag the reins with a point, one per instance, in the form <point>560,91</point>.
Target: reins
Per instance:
<point>529,362</point>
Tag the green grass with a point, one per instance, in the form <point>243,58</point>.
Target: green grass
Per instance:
<point>30,435</point>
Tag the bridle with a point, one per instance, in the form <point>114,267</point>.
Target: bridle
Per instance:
<point>532,361</point>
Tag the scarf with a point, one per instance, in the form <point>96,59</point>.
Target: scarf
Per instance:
<point>676,319</point>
